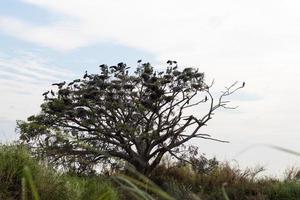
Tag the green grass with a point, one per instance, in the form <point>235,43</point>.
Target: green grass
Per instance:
<point>23,177</point>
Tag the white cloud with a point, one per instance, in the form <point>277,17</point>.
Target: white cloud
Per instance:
<point>231,31</point>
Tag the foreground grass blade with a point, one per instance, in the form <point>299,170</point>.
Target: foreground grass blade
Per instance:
<point>28,179</point>
<point>224,193</point>
<point>279,148</point>
<point>289,151</point>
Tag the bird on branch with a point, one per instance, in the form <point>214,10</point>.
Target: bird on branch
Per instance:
<point>60,84</point>
<point>45,93</point>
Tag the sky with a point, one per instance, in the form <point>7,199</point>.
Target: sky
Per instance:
<point>258,41</point>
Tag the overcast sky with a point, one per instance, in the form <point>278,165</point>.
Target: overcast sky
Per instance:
<point>258,41</point>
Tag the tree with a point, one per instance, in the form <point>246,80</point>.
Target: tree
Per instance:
<point>135,117</point>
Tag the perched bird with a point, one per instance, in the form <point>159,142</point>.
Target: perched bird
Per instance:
<point>71,83</point>
<point>85,74</point>
<point>243,84</point>
<point>205,98</point>
<point>60,84</point>
<point>121,64</point>
<point>114,67</point>
<point>169,62</point>
<point>45,93</point>
<point>76,80</point>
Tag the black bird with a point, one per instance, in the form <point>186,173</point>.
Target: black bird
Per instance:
<point>139,61</point>
<point>169,62</point>
<point>60,84</point>
<point>114,67</point>
<point>71,83</point>
<point>243,84</point>
<point>121,64</point>
<point>45,93</point>
<point>76,80</point>
<point>205,98</point>
<point>85,74</point>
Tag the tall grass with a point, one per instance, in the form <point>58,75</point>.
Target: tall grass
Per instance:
<point>22,177</point>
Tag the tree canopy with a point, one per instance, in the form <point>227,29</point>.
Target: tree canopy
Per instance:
<point>119,114</point>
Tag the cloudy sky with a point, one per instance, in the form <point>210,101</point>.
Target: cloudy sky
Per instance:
<point>43,41</point>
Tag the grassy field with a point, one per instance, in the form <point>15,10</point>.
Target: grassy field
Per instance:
<point>22,177</point>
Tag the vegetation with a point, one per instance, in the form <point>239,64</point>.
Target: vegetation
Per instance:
<point>168,181</point>
<point>118,116</point>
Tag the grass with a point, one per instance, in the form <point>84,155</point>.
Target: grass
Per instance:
<point>23,177</point>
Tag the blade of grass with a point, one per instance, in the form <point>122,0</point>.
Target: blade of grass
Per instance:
<point>28,178</point>
<point>279,148</point>
<point>153,188</point>
<point>224,193</point>
<point>24,191</point>
<point>130,186</point>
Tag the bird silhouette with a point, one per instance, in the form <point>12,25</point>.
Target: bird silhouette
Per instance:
<point>45,93</point>
<point>205,98</point>
<point>76,80</point>
<point>85,74</point>
<point>139,61</point>
<point>243,84</point>
<point>60,84</point>
<point>71,83</point>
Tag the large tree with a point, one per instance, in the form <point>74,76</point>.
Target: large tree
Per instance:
<point>118,114</point>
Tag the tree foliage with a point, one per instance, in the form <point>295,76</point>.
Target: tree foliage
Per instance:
<point>118,114</point>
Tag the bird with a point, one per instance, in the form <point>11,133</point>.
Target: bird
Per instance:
<point>205,98</point>
<point>76,80</point>
<point>45,93</point>
<point>243,84</point>
<point>60,84</point>
<point>139,61</point>
<point>71,83</point>
<point>85,74</point>
<point>114,67</point>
